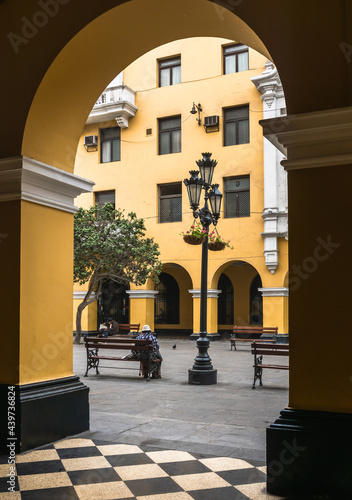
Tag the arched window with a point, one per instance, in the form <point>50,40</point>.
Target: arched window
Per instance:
<point>256,302</point>
<point>113,303</point>
<point>225,301</point>
<point>167,301</point>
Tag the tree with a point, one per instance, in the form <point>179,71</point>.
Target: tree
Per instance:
<point>108,245</point>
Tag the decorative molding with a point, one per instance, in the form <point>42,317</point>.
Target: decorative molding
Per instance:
<point>312,140</point>
<point>142,294</point>
<point>23,178</point>
<point>279,291</point>
<point>212,293</point>
<point>275,178</point>
<point>269,84</point>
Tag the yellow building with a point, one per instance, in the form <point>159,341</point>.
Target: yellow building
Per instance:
<point>140,141</point>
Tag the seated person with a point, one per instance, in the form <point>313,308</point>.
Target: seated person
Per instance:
<point>155,366</point>
<point>113,327</point>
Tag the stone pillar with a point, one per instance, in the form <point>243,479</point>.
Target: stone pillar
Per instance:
<point>275,310</point>
<point>36,249</point>
<point>142,307</point>
<point>212,314</point>
<point>309,445</point>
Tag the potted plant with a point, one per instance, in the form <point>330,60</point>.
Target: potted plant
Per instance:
<point>217,243</point>
<point>195,235</point>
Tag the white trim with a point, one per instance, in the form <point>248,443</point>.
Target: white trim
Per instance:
<point>79,295</point>
<point>142,294</point>
<point>212,294</point>
<point>279,291</point>
<point>23,178</point>
<point>311,140</point>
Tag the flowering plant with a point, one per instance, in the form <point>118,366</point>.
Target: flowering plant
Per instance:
<point>214,237</point>
<point>196,230</point>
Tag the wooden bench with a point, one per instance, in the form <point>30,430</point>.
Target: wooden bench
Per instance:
<point>258,349</point>
<point>250,333</point>
<point>95,344</point>
<point>129,327</point>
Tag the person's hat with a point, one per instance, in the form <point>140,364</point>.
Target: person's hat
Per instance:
<point>146,328</point>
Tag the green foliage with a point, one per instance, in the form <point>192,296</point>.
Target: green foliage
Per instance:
<point>108,245</point>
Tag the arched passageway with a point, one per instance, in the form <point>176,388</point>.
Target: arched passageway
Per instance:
<point>316,136</point>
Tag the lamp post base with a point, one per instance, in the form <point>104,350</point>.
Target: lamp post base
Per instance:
<point>202,377</point>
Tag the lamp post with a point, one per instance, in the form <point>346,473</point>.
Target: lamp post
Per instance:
<point>203,372</point>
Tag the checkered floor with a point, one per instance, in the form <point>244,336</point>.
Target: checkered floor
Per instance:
<point>85,469</point>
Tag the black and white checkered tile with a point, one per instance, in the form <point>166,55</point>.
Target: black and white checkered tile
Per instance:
<point>84,469</point>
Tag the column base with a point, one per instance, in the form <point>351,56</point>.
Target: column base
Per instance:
<point>309,453</point>
<point>202,377</point>
<point>44,412</point>
<point>211,336</point>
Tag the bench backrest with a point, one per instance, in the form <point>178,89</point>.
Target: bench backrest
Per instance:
<point>270,349</point>
<point>128,327</point>
<point>255,331</point>
<point>119,343</point>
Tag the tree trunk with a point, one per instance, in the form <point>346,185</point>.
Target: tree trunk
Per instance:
<point>86,303</point>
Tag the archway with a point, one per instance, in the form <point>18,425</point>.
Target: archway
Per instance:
<point>312,388</point>
<point>173,306</point>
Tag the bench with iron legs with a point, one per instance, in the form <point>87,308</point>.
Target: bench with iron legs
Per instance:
<point>94,345</point>
<point>259,349</point>
<point>251,333</point>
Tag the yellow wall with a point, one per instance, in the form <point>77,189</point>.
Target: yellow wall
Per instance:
<point>45,333</point>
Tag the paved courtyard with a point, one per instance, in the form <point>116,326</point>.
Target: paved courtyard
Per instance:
<point>163,439</point>
<point>226,419</point>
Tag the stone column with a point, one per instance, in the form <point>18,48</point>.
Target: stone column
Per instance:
<point>142,307</point>
<point>36,250</point>
<point>309,445</point>
<point>275,302</point>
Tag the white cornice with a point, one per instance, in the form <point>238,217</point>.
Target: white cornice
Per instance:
<point>212,294</point>
<point>142,294</point>
<point>23,178</point>
<point>279,291</point>
<point>310,140</point>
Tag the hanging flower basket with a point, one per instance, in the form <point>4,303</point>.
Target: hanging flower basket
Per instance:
<point>195,235</point>
<point>217,243</point>
<point>216,246</point>
<point>193,240</point>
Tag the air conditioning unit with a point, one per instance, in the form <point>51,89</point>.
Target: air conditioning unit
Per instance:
<point>91,142</point>
<point>211,123</point>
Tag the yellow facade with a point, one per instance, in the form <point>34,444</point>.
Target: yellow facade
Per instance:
<point>136,177</point>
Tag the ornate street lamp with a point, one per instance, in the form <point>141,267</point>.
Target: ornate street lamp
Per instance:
<point>203,372</point>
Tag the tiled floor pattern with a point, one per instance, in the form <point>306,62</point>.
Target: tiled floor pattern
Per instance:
<point>84,469</point>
